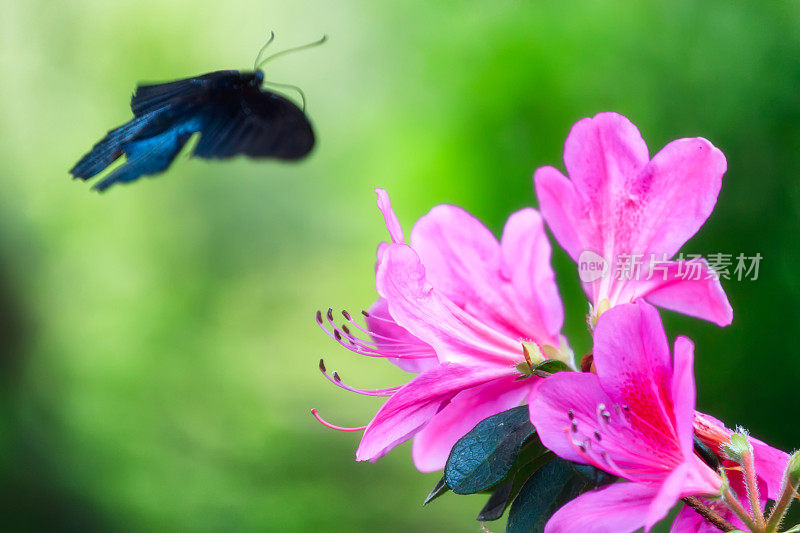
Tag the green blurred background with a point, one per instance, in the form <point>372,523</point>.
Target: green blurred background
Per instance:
<point>158,346</point>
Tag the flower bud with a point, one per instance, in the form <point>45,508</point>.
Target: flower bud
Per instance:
<point>793,468</point>
<point>738,446</point>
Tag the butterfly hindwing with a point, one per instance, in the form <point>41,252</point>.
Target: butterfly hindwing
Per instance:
<point>150,155</point>
<point>142,127</point>
<point>255,123</point>
<point>286,132</point>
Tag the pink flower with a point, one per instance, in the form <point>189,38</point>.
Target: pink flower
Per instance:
<point>630,213</point>
<point>634,419</point>
<point>455,306</point>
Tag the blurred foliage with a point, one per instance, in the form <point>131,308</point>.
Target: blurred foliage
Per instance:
<point>158,344</point>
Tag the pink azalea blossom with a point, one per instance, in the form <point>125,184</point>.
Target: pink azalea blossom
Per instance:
<point>455,307</point>
<point>634,419</point>
<point>632,213</point>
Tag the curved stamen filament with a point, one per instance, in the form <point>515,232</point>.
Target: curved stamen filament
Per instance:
<point>389,348</point>
<point>332,426</point>
<point>336,380</point>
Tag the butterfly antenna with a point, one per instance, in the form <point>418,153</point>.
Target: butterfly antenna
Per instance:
<point>293,87</point>
<point>260,52</point>
<point>290,50</point>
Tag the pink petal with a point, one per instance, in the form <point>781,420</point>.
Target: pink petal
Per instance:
<point>687,287</point>
<point>688,521</point>
<point>675,194</point>
<point>670,491</point>
<point>432,445</point>
<point>617,508</point>
<point>462,260</point>
<point>455,335</point>
<point>510,289</point>
<point>413,406</point>
<point>632,359</point>
<point>532,289</point>
<point>560,396</point>
<point>392,224</point>
<point>563,210</point>
<point>684,393</point>
<point>770,466</point>
<point>383,325</point>
<point>458,252</point>
<point>602,155</point>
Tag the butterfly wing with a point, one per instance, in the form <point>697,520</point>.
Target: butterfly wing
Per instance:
<point>149,156</point>
<point>255,123</point>
<point>195,90</point>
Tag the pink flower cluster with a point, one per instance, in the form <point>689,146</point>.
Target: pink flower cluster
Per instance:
<point>465,312</point>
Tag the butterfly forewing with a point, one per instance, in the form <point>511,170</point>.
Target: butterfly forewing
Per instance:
<point>197,89</point>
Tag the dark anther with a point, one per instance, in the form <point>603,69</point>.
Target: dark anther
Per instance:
<point>337,335</point>
<point>322,365</point>
<point>346,330</point>
<point>319,317</point>
<point>571,414</point>
<point>336,376</point>
<point>346,315</point>
<point>606,415</point>
<point>582,446</point>
<point>574,427</point>
<point>365,313</point>
<point>330,314</point>
<point>597,435</point>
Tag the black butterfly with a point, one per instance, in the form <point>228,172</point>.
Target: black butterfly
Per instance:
<point>229,109</point>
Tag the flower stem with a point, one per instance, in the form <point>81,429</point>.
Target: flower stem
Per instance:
<point>734,505</point>
<point>788,492</point>
<point>751,484</point>
<point>707,513</point>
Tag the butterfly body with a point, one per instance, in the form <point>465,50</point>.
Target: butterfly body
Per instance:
<point>228,108</point>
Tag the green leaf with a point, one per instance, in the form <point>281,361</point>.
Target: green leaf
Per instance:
<point>440,488</point>
<point>497,503</point>
<point>594,476</point>
<point>484,457</point>
<point>502,497</point>
<point>553,366</point>
<point>547,490</point>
